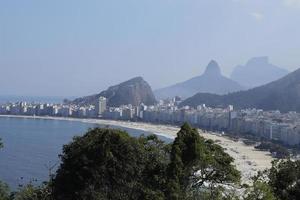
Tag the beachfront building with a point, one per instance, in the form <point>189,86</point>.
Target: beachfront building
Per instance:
<point>101,106</point>
<point>272,125</point>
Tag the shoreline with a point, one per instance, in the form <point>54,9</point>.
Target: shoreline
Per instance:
<point>247,159</point>
<point>147,127</point>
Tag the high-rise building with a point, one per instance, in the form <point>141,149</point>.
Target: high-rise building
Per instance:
<point>101,106</point>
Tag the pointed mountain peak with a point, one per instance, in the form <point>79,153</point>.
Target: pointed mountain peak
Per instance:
<point>213,69</point>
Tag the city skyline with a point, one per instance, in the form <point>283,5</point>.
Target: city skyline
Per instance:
<point>270,124</point>
<point>78,48</point>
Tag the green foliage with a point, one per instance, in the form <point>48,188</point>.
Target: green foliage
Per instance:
<point>1,144</point>
<point>4,191</point>
<point>218,166</point>
<point>284,179</point>
<point>260,189</point>
<point>280,151</point>
<point>195,161</point>
<point>109,164</point>
<point>30,192</point>
<point>184,154</point>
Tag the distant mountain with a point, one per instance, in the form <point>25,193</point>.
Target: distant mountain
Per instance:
<point>134,91</point>
<point>283,95</point>
<point>257,71</point>
<point>211,81</point>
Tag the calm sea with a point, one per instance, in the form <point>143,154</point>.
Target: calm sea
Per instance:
<point>41,99</point>
<point>32,146</point>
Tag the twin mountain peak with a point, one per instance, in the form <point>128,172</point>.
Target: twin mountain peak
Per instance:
<point>136,91</point>
<point>211,81</point>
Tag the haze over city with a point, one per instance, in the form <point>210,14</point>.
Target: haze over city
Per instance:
<point>74,48</point>
<point>150,99</point>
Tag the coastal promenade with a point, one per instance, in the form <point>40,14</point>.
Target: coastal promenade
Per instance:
<point>247,159</point>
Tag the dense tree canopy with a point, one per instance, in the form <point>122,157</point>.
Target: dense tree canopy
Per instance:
<point>109,164</point>
<point>285,179</point>
<point>195,161</point>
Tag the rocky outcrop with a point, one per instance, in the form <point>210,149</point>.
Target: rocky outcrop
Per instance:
<point>134,91</point>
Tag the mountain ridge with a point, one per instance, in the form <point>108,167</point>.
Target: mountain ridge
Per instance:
<point>211,80</point>
<point>282,94</point>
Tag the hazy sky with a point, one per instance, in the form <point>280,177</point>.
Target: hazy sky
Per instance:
<point>73,48</point>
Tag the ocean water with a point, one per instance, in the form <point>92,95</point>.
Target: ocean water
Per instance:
<point>32,146</point>
<point>41,99</point>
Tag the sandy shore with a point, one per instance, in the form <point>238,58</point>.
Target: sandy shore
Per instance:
<point>247,159</point>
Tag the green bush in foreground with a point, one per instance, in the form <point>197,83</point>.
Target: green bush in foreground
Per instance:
<point>285,179</point>
<point>109,164</point>
<point>195,161</point>
<point>4,191</point>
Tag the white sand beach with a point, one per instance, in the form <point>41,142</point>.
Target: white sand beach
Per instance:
<point>247,159</point>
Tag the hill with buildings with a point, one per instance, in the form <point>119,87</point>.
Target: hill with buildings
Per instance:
<point>257,71</point>
<point>283,95</point>
<point>134,91</point>
<point>211,81</point>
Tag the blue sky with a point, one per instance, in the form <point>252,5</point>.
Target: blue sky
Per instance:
<point>75,47</point>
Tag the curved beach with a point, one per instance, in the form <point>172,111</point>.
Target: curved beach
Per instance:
<point>247,159</point>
